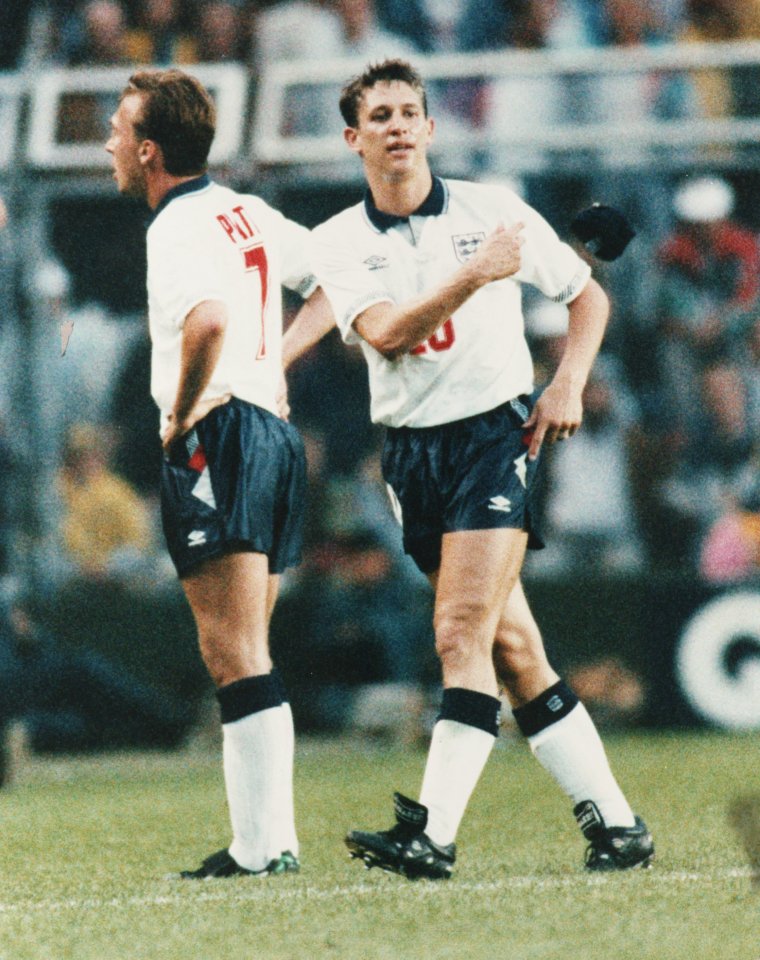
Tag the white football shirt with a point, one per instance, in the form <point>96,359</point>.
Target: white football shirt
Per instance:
<point>479,357</point>
<point>207,242</point>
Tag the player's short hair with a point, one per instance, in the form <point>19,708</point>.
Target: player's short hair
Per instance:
<point>178,114</point>
<point>385,72</point>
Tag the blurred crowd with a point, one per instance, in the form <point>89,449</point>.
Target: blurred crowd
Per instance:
<point>192,31</point>
<point>255,32</point>
<point>664,474</point>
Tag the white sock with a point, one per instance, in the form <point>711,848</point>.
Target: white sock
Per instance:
<point>572,752</point>
<point>252,761</point>
<point>457,756</point>
<point>285,824</point>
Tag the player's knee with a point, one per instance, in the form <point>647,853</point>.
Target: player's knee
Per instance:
<point>228,661</point>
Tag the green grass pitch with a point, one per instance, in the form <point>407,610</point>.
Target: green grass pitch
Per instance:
<point>89,845</point>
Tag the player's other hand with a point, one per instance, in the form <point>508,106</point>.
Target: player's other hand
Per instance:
<point>500,254</point>
<point>171,433</point>
<point>556,416</point>
<point>177,428</point>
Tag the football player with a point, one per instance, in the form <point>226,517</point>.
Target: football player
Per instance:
<point>425,274</point>
<point>233,475</point>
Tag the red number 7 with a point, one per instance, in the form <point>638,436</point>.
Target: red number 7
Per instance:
<point>255,258</point>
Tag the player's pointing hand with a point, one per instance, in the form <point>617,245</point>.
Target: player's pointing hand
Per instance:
<point>499,255</point>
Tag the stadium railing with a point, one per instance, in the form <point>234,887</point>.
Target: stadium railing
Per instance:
<point>252,109</point>
<point>269,144</point>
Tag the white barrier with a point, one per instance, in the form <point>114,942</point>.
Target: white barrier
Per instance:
<point>268,99</point>
<point>11,89</point>
<point>228,84</point>
<point>270,144</point>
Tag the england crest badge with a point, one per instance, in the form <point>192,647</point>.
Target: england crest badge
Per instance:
<point>465,244</point>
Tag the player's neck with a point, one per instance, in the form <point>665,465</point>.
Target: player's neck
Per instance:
<point>401,197</point>
<point>159,185</point>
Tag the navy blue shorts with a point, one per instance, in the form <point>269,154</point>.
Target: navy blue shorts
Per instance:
<point>472,474</point>
<point>235,482</point>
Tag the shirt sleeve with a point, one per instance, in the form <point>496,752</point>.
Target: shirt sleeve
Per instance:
<point>549,263</point>
<point>348,283</point>
<point>296,254</point>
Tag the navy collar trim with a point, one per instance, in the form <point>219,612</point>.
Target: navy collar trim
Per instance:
<point>189,186</point>
<point>433,205</point>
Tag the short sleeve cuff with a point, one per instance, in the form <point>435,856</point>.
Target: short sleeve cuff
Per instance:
<point>345,322</point>
<point>191,304</point>
<point>576,285</point>
<point>305,287</point>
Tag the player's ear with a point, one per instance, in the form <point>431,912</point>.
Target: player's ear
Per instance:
<point>148,152</point>
<point>430,127</point>
<point>351,136</point>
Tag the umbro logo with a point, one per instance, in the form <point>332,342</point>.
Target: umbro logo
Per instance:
<point>465,244</point>
<point>503,504</point>
<point>196,538</point>
<point>588,817</point>
<point>556,703</point>
<point>376,262</point>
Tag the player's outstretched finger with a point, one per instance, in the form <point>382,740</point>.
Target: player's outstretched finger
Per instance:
<point>536,441</point>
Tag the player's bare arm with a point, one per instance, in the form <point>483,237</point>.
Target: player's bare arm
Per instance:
<point>559,410</point>
<point>202,338</point>
<point>394,330</point>
<point>314,320</point>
